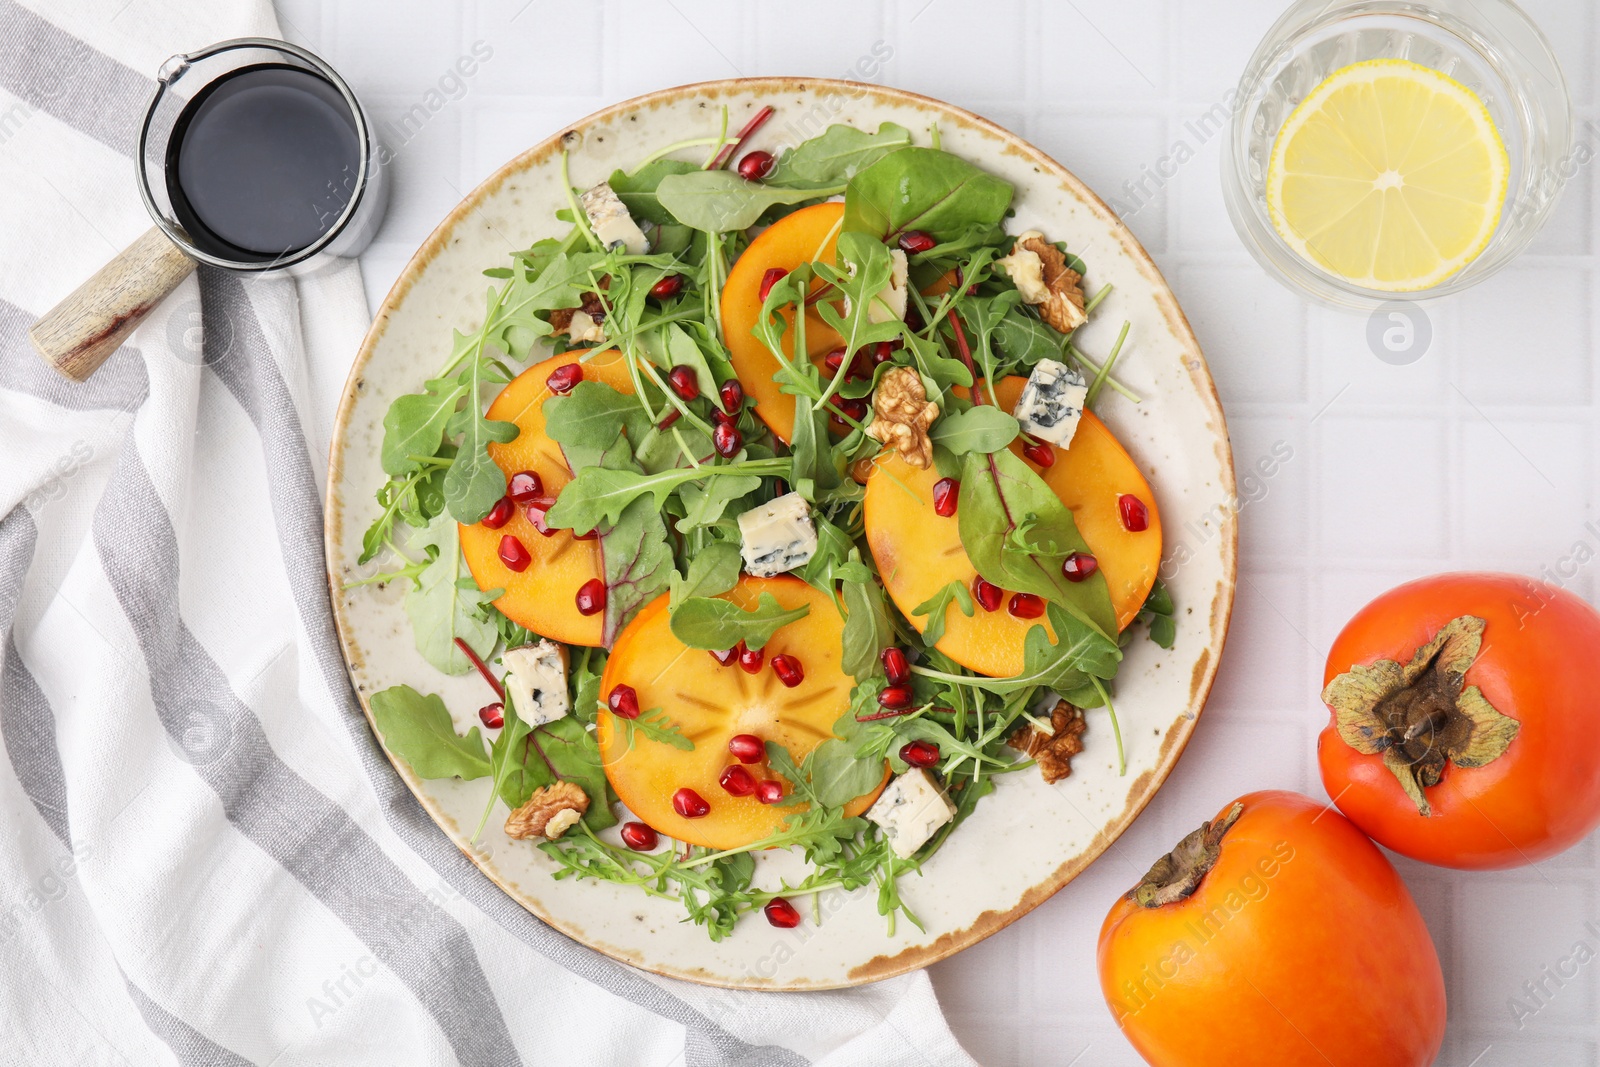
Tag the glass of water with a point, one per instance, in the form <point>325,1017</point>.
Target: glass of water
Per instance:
<point>1489,47</point>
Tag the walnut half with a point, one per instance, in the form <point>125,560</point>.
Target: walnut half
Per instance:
<point>1040,272</point>
<point>903,414</point>
<point>551,811</point>
<point>1053,751</point>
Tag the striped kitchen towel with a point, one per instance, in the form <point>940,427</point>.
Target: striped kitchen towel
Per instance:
<point>204,856</point>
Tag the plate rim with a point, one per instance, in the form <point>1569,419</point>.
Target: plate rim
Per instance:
<point>987,923</point>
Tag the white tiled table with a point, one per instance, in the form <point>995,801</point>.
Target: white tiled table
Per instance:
<point>1493,429</point>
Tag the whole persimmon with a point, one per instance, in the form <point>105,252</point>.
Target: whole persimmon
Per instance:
<point>1465,720</point>
<point>1276,935</point>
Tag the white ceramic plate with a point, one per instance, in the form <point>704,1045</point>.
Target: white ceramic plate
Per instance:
<point>1028,839</point>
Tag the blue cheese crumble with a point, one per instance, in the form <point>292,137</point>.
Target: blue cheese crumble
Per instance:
<point>778,536</point>
<point>910,810</point>
<point>1051,403</point>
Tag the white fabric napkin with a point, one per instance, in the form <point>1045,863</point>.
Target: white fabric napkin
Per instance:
<point>204,857</point>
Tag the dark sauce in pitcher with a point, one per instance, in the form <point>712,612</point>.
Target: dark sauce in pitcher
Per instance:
<point>263,162</point>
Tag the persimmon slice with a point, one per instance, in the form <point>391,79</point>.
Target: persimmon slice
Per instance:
<point>711,703</point>
<point>919,552</point>
<point>805,236</point>
<point>542,595</point>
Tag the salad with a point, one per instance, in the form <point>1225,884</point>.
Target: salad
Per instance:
<point>771,505</point>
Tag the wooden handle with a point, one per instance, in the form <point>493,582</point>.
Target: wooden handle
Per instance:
<point>81,332</point>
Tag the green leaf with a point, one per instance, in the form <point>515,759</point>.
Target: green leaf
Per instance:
<point>446,603</point>
<point>475,483</point>
<point>712,571</point>
<point>924,189</point>
<point>981,428</point>
<point>592,416</point>
<point>868,630</point>
<point>599,495</point>
<point>835,156</point>
<point>574,755</point>
<point>415,423</point>
<point>655,725</point>
<point>638,190</point>
<point>704,505</point>
<point>838,776</point>
<point>1157,614</point>
<point>718,201</point>
<point>709,623</point>
<point>937,607</point>
<point>637,565</point>
<point>1079,652</point>
<point>419,730</point>
<point>1017,533</point>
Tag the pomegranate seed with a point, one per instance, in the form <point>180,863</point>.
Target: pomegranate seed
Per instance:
<point>525,485</point>
<point>882,352</point>
<point>1079,566</point>
<point>638,836</point>
<point>747,748</point>
<point>684,382</point>
<point>945,492</point>
<point>920,753</point>
<point>986,594</point>
<point>667,287</point>
<point>591,598</point>
<point>732,395</point>
<point>492,715</point>
<point>1135,516</point>
<point>788,670</point>
<point>513,555</point>
<point>1026,606</point>
<point>726,657</point>
<point>914,319</point>
<point>535,514</point>
<point>895,697</point>
<point>773,276</point>
<point>755,166</point>
<point>624,702</point>
<point>834,360</point>
<point>781,913</point>
<point>914,242</point>
<point>689,804</point>
<point>1040,453</point>
<point>669,419</point>
<point>769,791</point>
<point>895,665</point>
<point>564,378</point>
<point>736,781</point>
<point>750,659</point>
<point>724,419</point>
<point>500,514</point>
<point>727,440</point>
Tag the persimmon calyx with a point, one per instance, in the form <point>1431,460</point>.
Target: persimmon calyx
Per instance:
<point>1419,715</point>
<point>1178,874</point>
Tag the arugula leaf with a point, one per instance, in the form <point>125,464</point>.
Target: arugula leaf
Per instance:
<point>1079,653</point>
<point>419,730</point>
<point>599,494</point>
<point>717,201</point>
<point>937,607</point>
<point>1157,614</point>
<point>868,630</point>
<point>838,776</point>
<point>713,571</point>
<point>592,416</point>
<point>709,623</point>
<point>981,428</point>
<point>638,191</point>
<point>446,603</point>
<point>923,189</point>
<point>835,156</point>
<point>656,725</point>
<point>415,423</point>
<point>573,754</point>
<point>1017,533</point>
<point>475,483</point>
<point>704,505</point>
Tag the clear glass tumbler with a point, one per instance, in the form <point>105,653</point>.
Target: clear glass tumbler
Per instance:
<point>1490,46</point>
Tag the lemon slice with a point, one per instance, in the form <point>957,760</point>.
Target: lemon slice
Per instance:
<point>1390,175</point>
